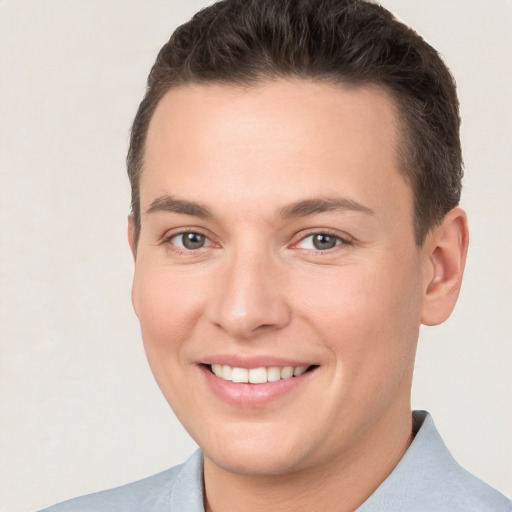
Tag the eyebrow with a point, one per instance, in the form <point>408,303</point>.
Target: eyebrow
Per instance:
<point>171,204</point>
<point>315,206</point>
<point>301,208</point>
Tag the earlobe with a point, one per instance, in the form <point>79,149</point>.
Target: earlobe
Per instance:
<point>446,248</point>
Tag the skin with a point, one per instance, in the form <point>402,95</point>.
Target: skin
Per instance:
<point>259,288</point>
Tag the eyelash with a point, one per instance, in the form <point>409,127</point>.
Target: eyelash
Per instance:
<point>340,241</point>
<point>180,250</point>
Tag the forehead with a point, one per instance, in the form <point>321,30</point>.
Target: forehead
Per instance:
<point>301,107</point>
<point>290,133</point>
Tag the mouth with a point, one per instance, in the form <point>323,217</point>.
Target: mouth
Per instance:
<point>261,375</point>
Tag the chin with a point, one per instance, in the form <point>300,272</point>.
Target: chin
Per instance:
<point>254,464</point>
<point>253,455</point>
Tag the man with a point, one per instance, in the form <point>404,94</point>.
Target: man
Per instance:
<point>295,172</point>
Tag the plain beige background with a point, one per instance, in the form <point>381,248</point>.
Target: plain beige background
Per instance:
<point>79,410</point>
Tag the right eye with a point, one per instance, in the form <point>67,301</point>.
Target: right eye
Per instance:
<point>189,241</point>
<point>320,242</point>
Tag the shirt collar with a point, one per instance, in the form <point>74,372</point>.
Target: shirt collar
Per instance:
<point>422,469</point>
<point>422,473</point>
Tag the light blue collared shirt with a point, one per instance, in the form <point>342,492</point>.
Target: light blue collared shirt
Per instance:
<point>427,479</point>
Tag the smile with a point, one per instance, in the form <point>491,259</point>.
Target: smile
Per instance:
<point>260,375</point>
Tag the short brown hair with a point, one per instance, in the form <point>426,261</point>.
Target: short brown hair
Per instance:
<point>352,42</point>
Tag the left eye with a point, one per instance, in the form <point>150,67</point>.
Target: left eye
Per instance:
<point>189,241</point>
<point>320,242</point>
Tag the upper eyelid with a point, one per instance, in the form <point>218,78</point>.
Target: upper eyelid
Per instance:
<point>344,237</point>
<point>171,246</point>
<point>171,233</point>
<point>340,242</point>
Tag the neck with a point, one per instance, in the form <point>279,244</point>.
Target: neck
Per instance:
<point>338,485</point>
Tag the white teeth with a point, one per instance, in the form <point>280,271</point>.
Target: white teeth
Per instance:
<point>240,375</point>
<point>299,370</point>
<point>274,374</point>
<point>286,372</point>
<point>257,375</point>
<point>227,372</point>
<point>217,369</point>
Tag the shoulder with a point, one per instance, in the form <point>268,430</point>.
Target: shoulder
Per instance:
<point>143,493</point>
<point>456,489</point>
<point>429,478</point>
<point>468,493</point>
<point>157,493</point>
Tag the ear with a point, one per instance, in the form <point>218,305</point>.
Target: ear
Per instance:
<point>131,236</point>
<point>446,247</point>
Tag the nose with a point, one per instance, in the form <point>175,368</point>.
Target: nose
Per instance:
<point>251,299</point>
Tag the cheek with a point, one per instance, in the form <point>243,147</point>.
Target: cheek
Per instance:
<point>364,313</point>
<point>168,308</point>
<point>166,305</point>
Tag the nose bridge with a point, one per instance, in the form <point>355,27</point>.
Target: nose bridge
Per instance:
<point>250,300</point>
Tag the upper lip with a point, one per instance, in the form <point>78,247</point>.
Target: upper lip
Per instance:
<point>256,361</point>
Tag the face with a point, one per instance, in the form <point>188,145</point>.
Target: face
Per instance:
<point>277,238</point>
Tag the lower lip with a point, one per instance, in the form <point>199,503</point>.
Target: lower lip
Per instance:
<point>252,395</point>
